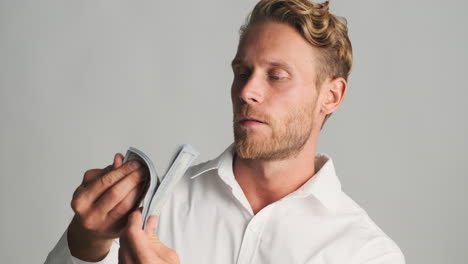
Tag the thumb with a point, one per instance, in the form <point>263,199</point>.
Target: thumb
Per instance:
<point>150,227</point>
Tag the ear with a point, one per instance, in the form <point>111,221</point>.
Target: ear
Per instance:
<point>334,92</point>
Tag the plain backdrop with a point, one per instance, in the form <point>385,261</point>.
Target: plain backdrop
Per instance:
<point>82,80</point>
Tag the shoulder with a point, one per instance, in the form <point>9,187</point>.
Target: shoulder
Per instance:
<point>197,180</point>
<point>375,246</point>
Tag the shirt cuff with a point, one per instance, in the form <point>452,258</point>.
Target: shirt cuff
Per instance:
<point>61,254</point>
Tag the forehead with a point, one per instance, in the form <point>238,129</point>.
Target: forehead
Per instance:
<point>275,42</point>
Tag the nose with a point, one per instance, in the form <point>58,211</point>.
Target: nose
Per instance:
<point>252,90</point>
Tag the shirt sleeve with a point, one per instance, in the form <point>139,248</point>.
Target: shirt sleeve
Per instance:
<point>380,250</point>
<point>61,254</point>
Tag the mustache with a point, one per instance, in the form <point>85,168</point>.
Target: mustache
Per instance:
<point>243,111</point>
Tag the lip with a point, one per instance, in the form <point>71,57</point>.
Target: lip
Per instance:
<point>249,119</point>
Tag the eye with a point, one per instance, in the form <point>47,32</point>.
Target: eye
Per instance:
<point>241,73</point>
<point>243,76</point>
<point>276,78</point>
<point>277,75</point>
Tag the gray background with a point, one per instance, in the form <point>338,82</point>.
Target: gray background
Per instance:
<point>81,80</point>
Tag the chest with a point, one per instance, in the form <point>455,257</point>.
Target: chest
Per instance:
<point>214,227</point>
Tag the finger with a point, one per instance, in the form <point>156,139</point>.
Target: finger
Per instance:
<point>164,252</point>
<point>139,251</point>
<point>135,220</point>
<point>103,183</point>
<point>138,243</point>
<point>150,228</point>
<point>118,160</point>
<point>90,176</point>
<point>78,191</point>
<point>93,174</point>
<point>116,194</point>
<point>127,205</point>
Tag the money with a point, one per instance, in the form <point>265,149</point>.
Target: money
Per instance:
<point>159,190</point>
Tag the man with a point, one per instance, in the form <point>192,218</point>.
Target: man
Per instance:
<point>269,198</point>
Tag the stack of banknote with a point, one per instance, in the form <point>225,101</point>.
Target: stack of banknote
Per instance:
<point>159,189</point>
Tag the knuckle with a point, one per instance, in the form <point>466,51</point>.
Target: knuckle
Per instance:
<point>107,179</point>
<point>113,194</point>
<point>136,178</point>
<point>74,205</point>
<point>77,192</point>
<point>98,175</point>
<point>77,206</point>
<point>120,212</point>
<point>123,210</point>
<point>117,213</point>
<point>125,206</point>
<point>93,222</point>
<point>88,222</point>
<point>107,168</point>
<point>90,174</point>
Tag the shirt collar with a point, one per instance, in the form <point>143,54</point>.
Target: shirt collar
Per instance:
<point>324,185</point>
<point>223,162</point>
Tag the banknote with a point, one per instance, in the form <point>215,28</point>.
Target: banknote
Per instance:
<point>160,188</point>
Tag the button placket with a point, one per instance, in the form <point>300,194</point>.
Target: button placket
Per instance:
<point>253,234</point>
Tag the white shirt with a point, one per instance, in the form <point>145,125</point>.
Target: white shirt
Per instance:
<point>209,220</point>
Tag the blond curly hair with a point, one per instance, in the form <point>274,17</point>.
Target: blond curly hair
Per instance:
<point>322,29</point>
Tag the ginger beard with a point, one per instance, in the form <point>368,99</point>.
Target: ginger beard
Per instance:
<point>283,138</point>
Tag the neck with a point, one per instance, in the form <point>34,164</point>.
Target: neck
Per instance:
<point>265,182</point>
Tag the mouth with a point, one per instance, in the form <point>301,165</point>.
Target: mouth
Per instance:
<point>250,120</point>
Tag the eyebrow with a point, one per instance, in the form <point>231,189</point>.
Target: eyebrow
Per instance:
<point>276,63</point>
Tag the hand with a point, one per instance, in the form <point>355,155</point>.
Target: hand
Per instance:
<point>102,204</point>
<point>143,246</point>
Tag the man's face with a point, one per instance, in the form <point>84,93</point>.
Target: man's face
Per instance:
<point>273,93</point>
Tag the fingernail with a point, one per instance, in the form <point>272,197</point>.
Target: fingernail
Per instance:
<point>135,164</point>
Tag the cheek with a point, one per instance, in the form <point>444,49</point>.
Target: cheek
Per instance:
<point>282,101</point>
<point>293,108</point>
<point>236,87</point>
<point>291,91</point>
<point>233,94</point>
